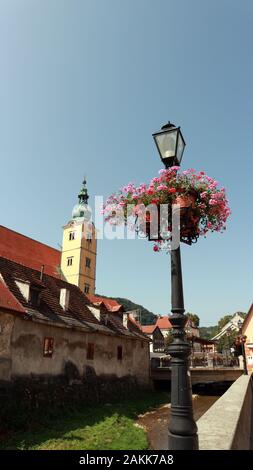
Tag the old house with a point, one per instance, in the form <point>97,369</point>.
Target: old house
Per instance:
<point>156,336</point>
<point>231,325</point>
<point>164,325</point>
<point>247,330</point>
<point>109,305</point>
<point>46,324</point>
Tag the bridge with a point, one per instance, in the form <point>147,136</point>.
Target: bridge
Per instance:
<point>200,375</point>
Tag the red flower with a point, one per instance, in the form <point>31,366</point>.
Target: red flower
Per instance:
<point>155,248</point>
<point>172,190</point>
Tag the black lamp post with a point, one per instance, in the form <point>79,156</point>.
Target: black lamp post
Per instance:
<point>182,432</point>
<point>242,340</point>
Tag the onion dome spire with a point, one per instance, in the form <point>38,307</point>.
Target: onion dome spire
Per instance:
<point>83,194</point>
<point>81,211</point>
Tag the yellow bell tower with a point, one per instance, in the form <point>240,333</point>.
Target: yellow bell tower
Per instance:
<point>79,246</point>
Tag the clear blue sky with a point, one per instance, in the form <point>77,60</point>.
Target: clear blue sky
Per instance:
<point>84,84</point>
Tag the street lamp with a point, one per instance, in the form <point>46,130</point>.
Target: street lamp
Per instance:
<point>241,339</point>
<point>170,144</point>
<point>182,431</point>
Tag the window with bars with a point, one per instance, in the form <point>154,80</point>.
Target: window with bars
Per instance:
<point>90,351</point>
<point>70,261</point>
<point>119,353</point>
<point>72,235</point>
<point>48,347</point>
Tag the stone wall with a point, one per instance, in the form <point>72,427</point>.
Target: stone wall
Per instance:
<point>6,328</point>
<point>228,424</point>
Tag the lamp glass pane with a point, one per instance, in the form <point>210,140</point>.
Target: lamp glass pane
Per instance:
<point>180,147</point>
<point>167,144</point>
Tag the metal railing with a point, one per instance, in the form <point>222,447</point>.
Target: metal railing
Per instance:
<point>209,362</point>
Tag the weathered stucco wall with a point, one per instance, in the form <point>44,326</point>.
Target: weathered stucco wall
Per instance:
<point>6,327</point>
<point>24,346</point>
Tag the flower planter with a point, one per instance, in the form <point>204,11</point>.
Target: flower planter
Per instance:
<point>189,222</point>
<point>186,201</point>
<point>203,206</point>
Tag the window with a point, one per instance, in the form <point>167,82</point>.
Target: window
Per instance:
<point>34,297</point>
<point>48,347</point>
<point>88,260</point>
<point>72,235</point>
<point>119,353</point>
<point>90,351</point>
<point>70,261</point>
<point>86,288</point>
<point>89,240</point>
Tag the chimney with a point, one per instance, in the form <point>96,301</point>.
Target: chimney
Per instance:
<point>125,320</point>
<point>64,299</point>
<point>42,272</point>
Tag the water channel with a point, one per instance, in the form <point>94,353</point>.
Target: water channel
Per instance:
<point>155,422</point>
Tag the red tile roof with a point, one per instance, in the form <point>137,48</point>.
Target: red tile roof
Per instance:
<point>49,306</point>
<point>49,309</point>
<point>163,323</point>
<point>134,321</point>
<point>8,301</point>
<point>110,304</point>
<point>148,329</point>
<point>29,252</point>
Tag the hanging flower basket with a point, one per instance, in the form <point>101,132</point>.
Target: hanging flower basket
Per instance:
<point>186,200</point>
<point>153,226</point>
<point>203,206</point>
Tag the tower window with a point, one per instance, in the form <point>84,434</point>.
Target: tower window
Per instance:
<point>86,288</point>
<point>48,347</point>
<point>119,353</point>
<point>72,235</point>
<point>88,260</point>
<point>90,351</point>
<point>70,261</point>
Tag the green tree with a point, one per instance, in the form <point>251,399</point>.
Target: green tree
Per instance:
<point>194,318</point>
<point>222,322</point>
<point>227,341</point>
<point>208,332</point>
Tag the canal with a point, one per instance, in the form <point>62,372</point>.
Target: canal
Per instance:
<point>156,422</point>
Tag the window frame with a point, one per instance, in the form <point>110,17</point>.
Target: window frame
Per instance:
<point>90,351</point>
<point>34,297</point>
<point>86,288</point>
<point>119,352</point>
<point>72,236</point>
<point>48,346</point>
<point>70,258</point>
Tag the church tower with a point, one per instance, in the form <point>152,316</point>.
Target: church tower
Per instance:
<point>79,246</point>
